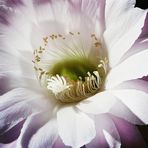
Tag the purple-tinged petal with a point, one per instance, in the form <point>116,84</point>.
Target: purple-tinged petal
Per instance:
<point>122,111</point>
<point>12,134</point>
<point>30,127</point>
<point>41,2</point>
<point>4,85</point>
<point>11,145</point>
<point>59,144</point>
<point>145,29</point>
<point>45,136</point>
<point>140,45</point>
<point>129,134</point>
<point>123,27</point>
<point>135,100</point>
<point>103,122</point>
<point>138,84</point>
<point>112,142</point>
<point>4,13</point>
<point>135,66</point>
<point>17,105</point>
<point>11,3</point>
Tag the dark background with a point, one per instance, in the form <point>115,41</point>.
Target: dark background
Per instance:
<point>142,4</point>
<point>143,129</point>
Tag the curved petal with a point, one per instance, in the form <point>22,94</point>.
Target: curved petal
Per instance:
<point>45,136</point>
<point>30,127</point>
<point>58,10</point>
<point>5,11</point>
<point>132,68</point>
<point>12,134</point>
<point>123,27</point>
<point>103,122</point>
<point>97,104</point>
<point>59,144</point>
<point>4,87</point>
<point>140,45</point>
<point>113,143</point>
<point>145,28</point>
<point>137,84</point>
<point>10,145</point>
<point>129,134</point>
<point>136,101</point>
<point>17,71</point>
<point>17,105</point>
<point>92,9</point>
<point>75,128</point>
<point>121,110</point>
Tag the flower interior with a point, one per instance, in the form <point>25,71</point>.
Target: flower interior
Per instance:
<point>73,77</point>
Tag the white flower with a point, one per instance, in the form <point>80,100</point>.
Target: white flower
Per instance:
<point>68,64</point>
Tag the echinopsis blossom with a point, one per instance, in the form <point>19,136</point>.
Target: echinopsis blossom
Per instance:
<point>71,68</point>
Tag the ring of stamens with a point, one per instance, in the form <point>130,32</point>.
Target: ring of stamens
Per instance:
<point>63,87</point>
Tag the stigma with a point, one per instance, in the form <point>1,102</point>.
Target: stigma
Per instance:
<point>74,75</point>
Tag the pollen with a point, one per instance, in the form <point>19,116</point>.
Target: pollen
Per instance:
<point>74,76</point>
<point>75,79</point>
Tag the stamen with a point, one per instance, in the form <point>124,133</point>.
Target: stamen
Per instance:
<point>69,91</point>
<point>71,79</point>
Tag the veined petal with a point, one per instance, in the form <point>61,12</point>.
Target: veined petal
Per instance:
<point>75,128</point>
<point>121,110</point>
<point>30,127</point>
<point>132,68</point>
<point>59,143</point>
<point>10,145</point>
<point>103,122</point>
<point>93,9</point>
<point>123,26</point>
<point>136,101</point>
<point>45,136</point>
<point>11,134</point>
<point>129,134</point>
<point>97,104</point>
<point>139,45</point>
<point>15,66</point>
<point>137,84</point>
<point>145,29</point>
<point>17,105</point>
<point>113,143</point>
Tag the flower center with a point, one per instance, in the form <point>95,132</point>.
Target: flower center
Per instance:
<point>73,80</point>
<point>75,76</point>
<point>73,69</point>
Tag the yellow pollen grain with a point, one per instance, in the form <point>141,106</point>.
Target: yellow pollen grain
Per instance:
<point>97,44</point>
<point>71,33</point>
<point>60,35</point>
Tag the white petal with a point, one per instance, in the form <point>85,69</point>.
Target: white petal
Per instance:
<point>122,111</point>
<point>97,104</point>
<point>17,105</point>
<point>137,84</point>
<point>123,26</point>
<point>75,128</point>
<point>136,101</point>
<point>16,66</point>
<point>139,45</point>
<point>132,68</point>
<point>45,136</point>
<point>113,143</point>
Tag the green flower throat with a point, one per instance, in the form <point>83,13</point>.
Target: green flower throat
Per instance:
<point>73,69</point>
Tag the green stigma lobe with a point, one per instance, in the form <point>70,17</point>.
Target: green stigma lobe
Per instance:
<point>73,68</point>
